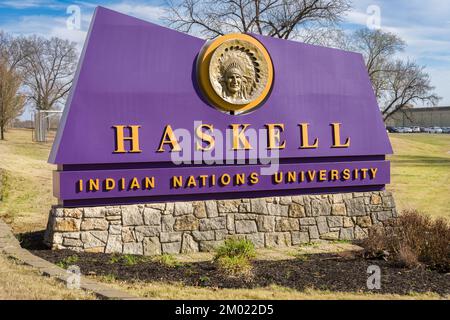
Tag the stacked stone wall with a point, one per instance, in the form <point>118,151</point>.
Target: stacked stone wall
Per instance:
<point>184,227</point>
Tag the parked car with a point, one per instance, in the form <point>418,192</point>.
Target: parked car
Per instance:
<point>433,130</point>
<point>391,129</point>
<point>446,130</point>
<point>407,130</point>
<point>416,129</point>
<point>437,130</point>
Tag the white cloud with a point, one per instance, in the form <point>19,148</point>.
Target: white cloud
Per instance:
<point>55,26</point>
<point>440,78</point>
<point>48,26</point>
<point>139,10</point>
<point>424,25</point>
<point>26,4</point>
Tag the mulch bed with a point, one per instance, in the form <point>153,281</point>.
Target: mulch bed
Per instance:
<point>319,271</point>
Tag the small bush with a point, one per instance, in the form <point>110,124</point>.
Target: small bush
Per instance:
<point>130,260</point>
<point>168,260</point>
<point>412,239</point>
<point>236,248</point>
<point>66,262</point>
<point>234,256</point>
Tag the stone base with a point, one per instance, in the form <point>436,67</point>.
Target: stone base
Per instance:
<point>183,227</point>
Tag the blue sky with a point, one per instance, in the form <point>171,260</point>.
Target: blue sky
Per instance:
<point>424,25</point>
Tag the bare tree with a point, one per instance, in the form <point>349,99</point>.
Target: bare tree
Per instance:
<point>378,48</point>
<point>286,19</point>
<point>406,83</point>
<point>49,66</point>
<point>396,83</point>
<point>12,103</point>
<point>11,52</point>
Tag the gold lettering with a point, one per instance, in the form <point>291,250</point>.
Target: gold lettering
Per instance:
<point>239,138</point>
<point>169,138</point>
<point>254,178</point>
<point>334,175</point>
<point>311,174</point>
<point>291,176</point>
<point>273,136</point>
<point>337,136</point>
<point>305,139</point>
<point>205,137</point>
<point>177,181</point>
<point>364,172</point>
<point>346,174</point>
<point>191,182</point>
<point>373,171</point>
<point>134,184</point>
<point>110,184</point>
<point>202,179</point>
<point>120,139</point>
<point>225,179</point>
<point>322,175</point>
<point>94,185</point>
<point>302,176</point>
<point>122,183</point>
<point>80,185</point>
<point>149,182</point>
<point>239,179</point>
<point>278,177</point>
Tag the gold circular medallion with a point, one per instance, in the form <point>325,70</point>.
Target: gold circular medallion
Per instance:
<point>235,72</point>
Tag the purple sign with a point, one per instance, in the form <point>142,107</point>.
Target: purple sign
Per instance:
<point>138,117</point>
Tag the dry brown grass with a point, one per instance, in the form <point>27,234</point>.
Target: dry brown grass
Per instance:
<point>178,291</point>
<point>19,282</point>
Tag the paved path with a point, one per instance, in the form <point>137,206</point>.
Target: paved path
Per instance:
<point>10,246</point>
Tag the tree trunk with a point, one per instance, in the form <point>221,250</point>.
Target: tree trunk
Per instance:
<point>2,132</point>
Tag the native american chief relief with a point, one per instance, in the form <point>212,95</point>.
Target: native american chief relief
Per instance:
<point>235,72</point>
<point>238,71</point>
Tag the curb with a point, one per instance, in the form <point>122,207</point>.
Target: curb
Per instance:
<point>11,247</point>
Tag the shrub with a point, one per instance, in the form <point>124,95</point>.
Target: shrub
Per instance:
<point>234,247</point>
<point>234,257</point>
<point>412,239</point>
<point>168,260</point>
<point>66,262</point>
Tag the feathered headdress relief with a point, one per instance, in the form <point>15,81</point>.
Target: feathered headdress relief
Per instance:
<point>242,60</point>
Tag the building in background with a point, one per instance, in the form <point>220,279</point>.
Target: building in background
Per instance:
<point>420,117</point>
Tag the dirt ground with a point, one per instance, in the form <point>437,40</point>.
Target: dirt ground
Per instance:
<point>297,270</point>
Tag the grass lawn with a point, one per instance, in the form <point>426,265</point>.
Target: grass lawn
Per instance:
<point>420,172</point>
<point>27,192</point>
<point>420,179</point>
